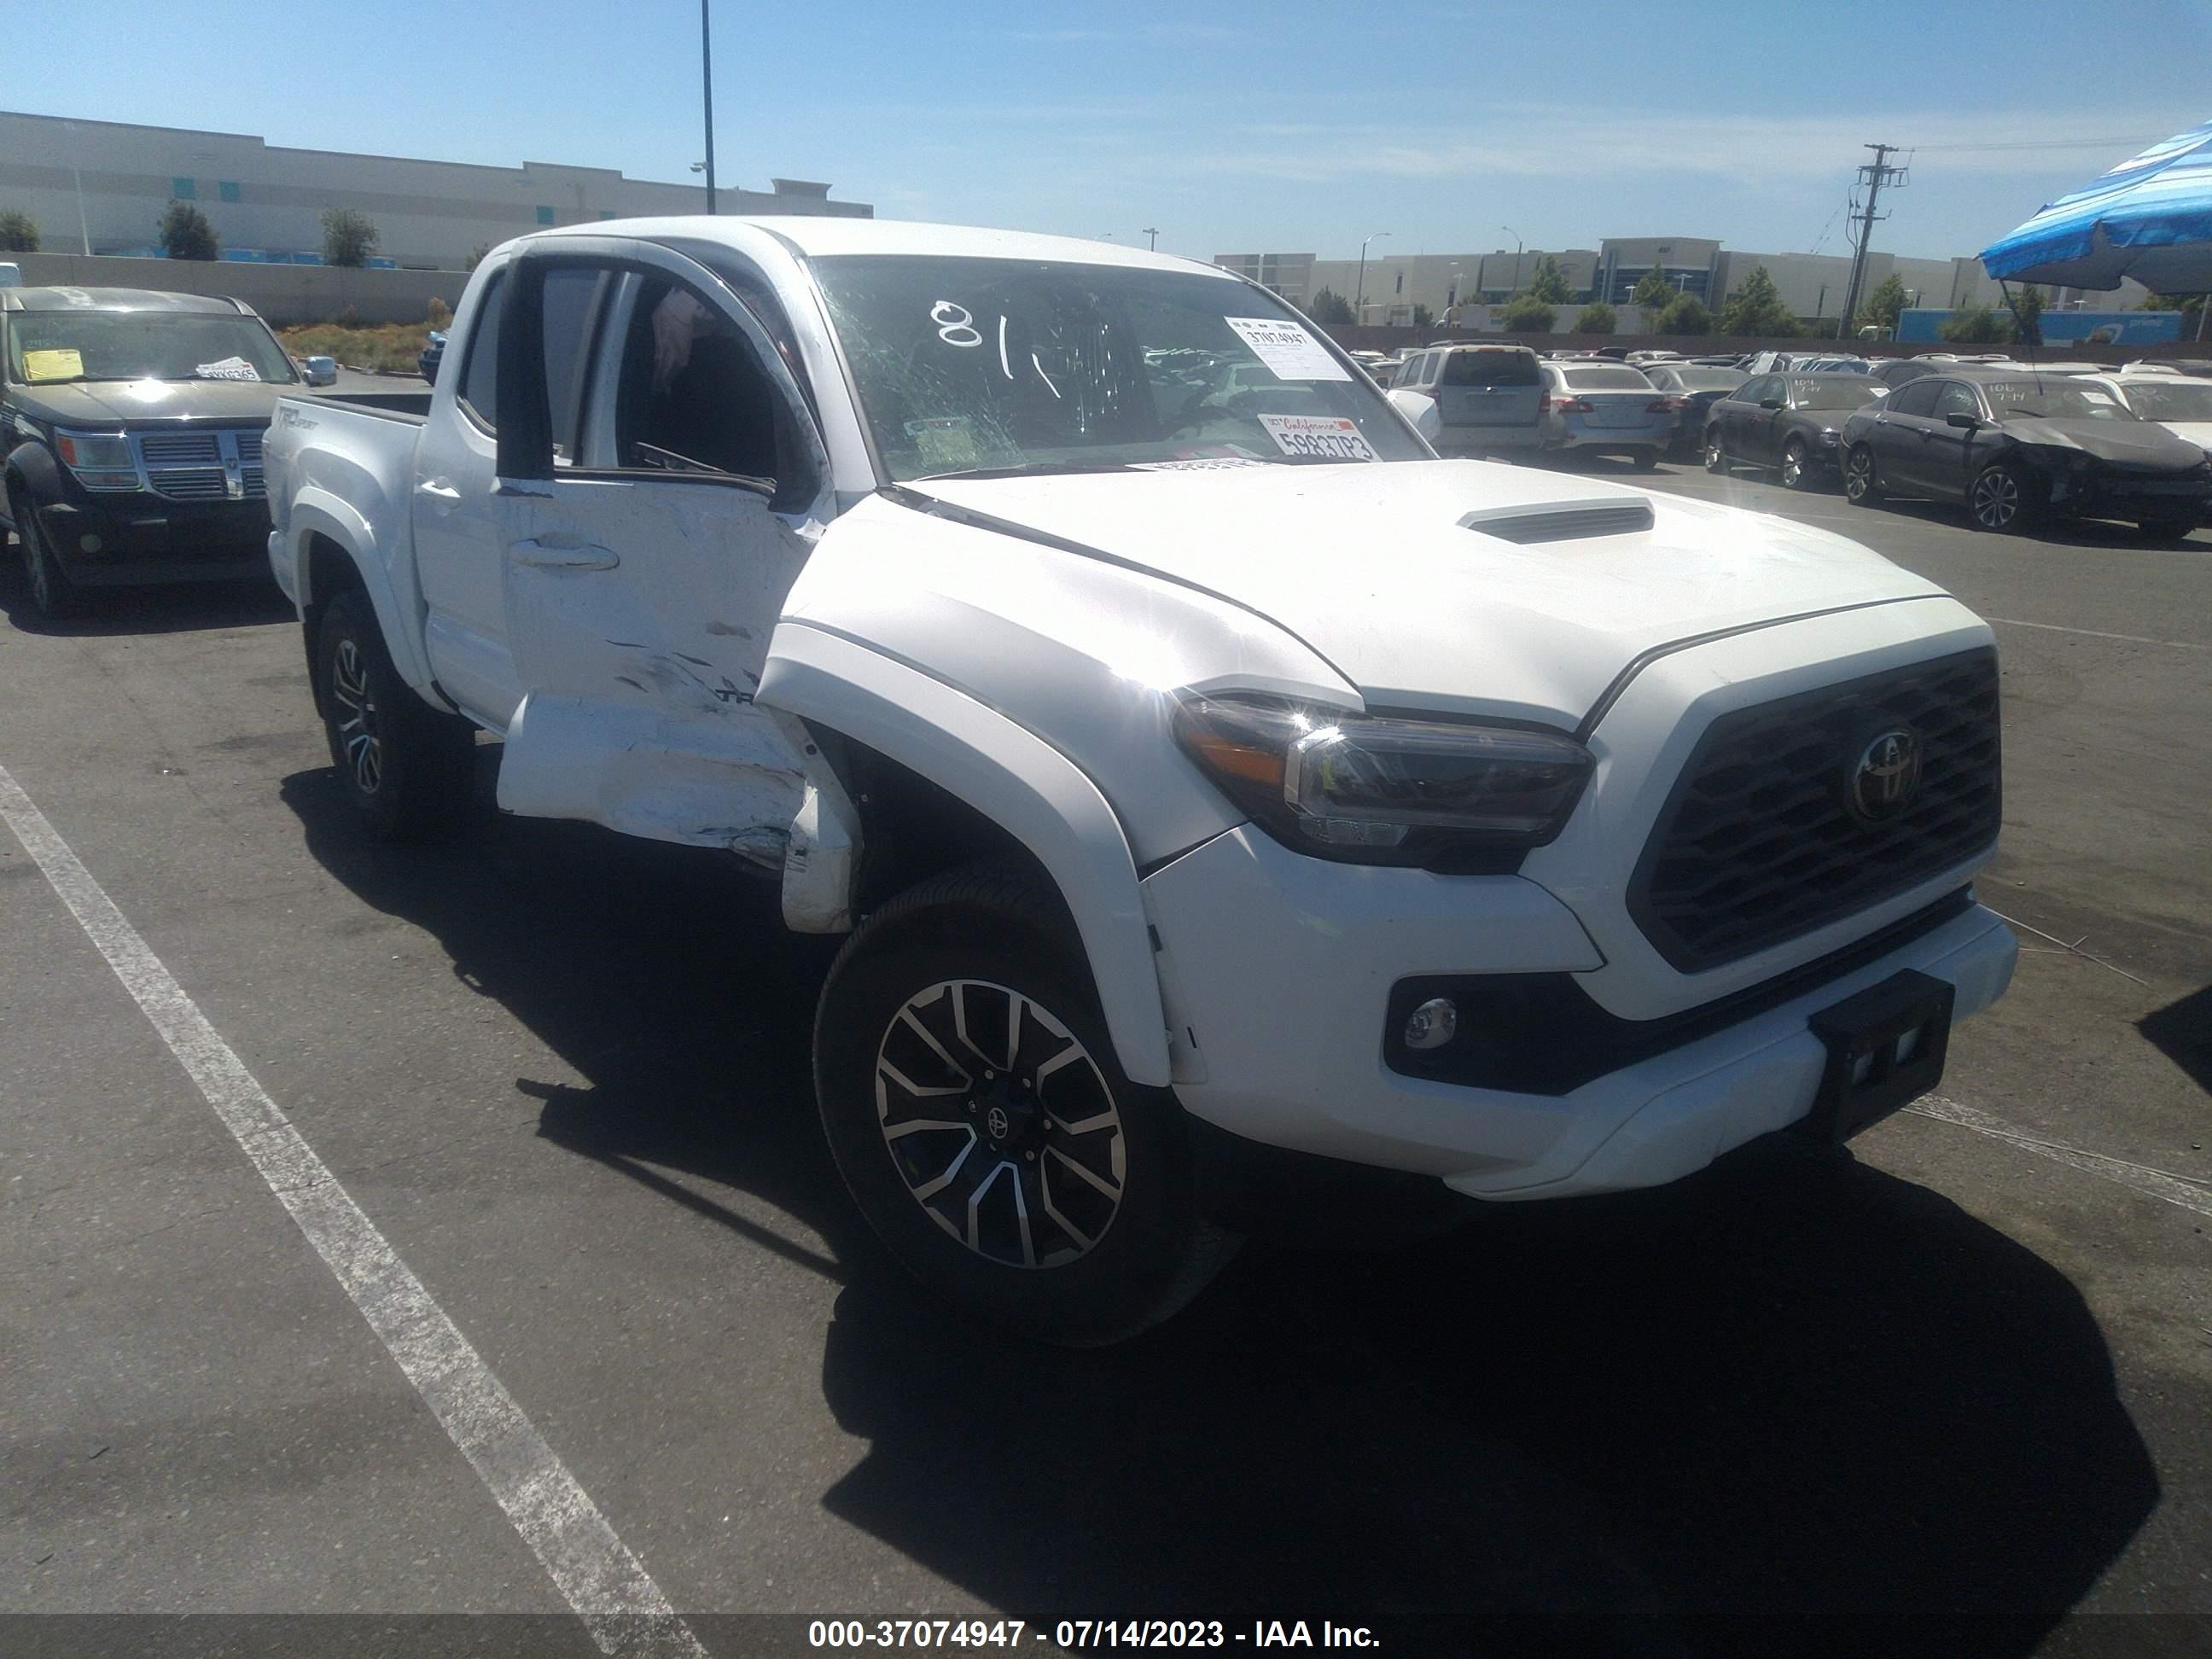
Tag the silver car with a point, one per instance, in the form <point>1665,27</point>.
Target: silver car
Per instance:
<point>1605,409</point>
<point>1488,398</point>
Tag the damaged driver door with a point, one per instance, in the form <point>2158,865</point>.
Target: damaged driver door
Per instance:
<point>660,480</point>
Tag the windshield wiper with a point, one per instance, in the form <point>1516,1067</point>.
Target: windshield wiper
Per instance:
<point>1028,469</point>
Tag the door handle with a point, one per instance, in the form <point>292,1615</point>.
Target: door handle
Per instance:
<point>562,553</point>
<point>443,497</point>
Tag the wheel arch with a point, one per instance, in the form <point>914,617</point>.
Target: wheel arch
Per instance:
<point>1021,790</point>
<point>331,545</point>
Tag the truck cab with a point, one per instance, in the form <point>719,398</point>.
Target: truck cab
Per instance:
<point>1215,792</point>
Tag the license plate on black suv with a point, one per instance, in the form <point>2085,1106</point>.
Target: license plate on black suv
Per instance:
<point>1885,1046</point>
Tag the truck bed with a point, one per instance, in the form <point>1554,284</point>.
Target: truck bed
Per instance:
<point>394,405</point>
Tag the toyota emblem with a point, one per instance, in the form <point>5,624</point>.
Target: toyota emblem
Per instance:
<point>997,1123</point>
<point>1886,777</point>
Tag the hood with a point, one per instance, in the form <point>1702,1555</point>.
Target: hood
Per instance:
<point>1371,566</point>
<point>2198,432</point>
<point>149,403</point>
<point>2139,443</point>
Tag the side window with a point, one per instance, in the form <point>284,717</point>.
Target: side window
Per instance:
<point>1957,397</point>
<point>1917,398</point>
<point>479,392</point>
<point>692,397</point>
<point>1764,387</point>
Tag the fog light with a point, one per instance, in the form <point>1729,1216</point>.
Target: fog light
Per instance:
<point>90,543</point>
<point>1432,1024</point>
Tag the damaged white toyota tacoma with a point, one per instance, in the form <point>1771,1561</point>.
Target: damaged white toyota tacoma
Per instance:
<point>1218,794</point>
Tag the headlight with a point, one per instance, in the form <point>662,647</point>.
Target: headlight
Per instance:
<point>1831,438</point>
<point>101,460</point>
<point>1385,791</point>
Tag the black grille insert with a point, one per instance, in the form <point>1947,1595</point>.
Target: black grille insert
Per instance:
<point>1757,845</point>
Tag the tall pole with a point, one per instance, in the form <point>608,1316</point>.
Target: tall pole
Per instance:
<point>84,234</point>
<point>1151,238</point>
<point>1359,298</point>
<point>706,88</point>
<point>1874,177</point>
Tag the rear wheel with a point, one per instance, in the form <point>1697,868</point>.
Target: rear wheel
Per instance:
<point>1716,458</point>
<point>406,768</point>
<point>1795,459</point>
<point>1645,460</point>
<point>1862,483</point>
<point>2002,499</point>
<point>2166,530</point>
<point>52,593</point>
<point>977,1113</point>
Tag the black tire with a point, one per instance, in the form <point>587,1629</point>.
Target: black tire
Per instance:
<point>1645,460</point>
<point>1716,458</point>
<point>1079,1261</point>
<point>2002,500</point>
<point>52,593</point>
<point>1862,477</point>
<point>2166,530</point>
<point>407,769</point>
<point>1795,470</point>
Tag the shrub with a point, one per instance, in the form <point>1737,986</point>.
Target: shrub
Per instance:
<point>1686,313</point>
<point>1330,306</point>
<point>19,234</point>
<point>1756,308</point>
<point>1975,325</point>
<point>349,236</point>
<point>1883,306</point>
<point>185,234</point>
<point>1529,315</point>
<point>1597,318</point>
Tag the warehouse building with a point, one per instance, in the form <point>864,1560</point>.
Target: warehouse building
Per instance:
<point>101,187</point>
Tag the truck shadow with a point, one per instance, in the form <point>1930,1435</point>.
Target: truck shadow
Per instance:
<point>1792,1386</point>
<point>112,611</point>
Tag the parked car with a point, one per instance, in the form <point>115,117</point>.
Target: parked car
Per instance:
<point>1487,397</point>
<point>1200,787</point>
<point>133,423</point>
<point>1791,424</point>
<point>2183,406</point>
<point>1895,372</point>
<point>2020,449</point>
<point>1830,366</point>
<point>317,371</point>
<point>1607,409</point>
<point>1695,388</point>
<point>434,354</point>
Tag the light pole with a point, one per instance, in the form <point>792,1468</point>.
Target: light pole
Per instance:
<point>1151,238</point>
<point>1451,302</point>
<point>707,92</point>
<point>1359,298</point>
<point>1516,236</point>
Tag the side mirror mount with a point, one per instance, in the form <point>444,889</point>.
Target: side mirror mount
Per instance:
<point>1769,402</point>
<point>1963,420</point>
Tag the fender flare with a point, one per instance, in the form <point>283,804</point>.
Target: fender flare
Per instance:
<point>1014,777</point>
<point>316,512</point>
<point>34,463</point>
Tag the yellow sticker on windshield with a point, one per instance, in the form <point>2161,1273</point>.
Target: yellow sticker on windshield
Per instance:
<point>61,363</point>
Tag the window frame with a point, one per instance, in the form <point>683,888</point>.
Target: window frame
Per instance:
<point>526,462</point>
<point>1965,389</point>
<point>1934,384</point>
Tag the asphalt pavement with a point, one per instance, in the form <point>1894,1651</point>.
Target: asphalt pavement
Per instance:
<point>1966,1370</point>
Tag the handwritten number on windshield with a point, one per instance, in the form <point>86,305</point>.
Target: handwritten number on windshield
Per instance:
<point>952,323</point>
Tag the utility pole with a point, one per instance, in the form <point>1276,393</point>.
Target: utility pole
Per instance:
<point>1359,298</point>
<point>1874,175</point>
<point>707,83</point>
<point>1151,238</point>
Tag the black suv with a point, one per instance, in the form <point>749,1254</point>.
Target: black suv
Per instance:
<point>131,425</point>
<point>2020,448</point>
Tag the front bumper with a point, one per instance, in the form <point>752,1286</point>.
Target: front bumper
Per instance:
<point>1277,972</point>
<point>131,538</point>
<point>2098,494</point>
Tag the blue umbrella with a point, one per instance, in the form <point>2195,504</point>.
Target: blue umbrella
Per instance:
<point>2149,218</point>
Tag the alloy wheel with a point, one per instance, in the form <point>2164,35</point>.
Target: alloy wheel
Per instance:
<point>1997,499</point>
<point>359,729</point>
<point>999,1123</point>
<point>1793,466</point>
<point>1858,476</point>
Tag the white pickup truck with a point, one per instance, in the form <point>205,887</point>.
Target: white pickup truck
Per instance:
<point>1216,790</point>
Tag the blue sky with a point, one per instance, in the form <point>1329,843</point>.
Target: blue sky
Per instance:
<point>1296,127</point>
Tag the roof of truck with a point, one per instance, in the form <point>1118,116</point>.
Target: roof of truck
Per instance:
<point>112,299</point>
<point>821,237</point>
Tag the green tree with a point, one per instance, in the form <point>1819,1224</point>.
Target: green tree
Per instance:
<point>1528,315</point>
<point>1883,306</point>
<point>2192,308</point>
<point>1756,308</point>
<point>477,255</point>
<point>19,234</point>
<point>1423,317</point>
<point>1329,307</point>
<point>1549,284</point>
<point>349,236</point>
<point>1975,325</point>
<point>185,234</point>
<point>1596,319</point>
<point>1653,295</point>
<point>2026,304</point>
<point>1685,314</point>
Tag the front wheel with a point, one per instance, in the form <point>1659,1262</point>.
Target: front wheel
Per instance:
<point>2002,499</point>
<point>980,1119</point>
<point>406,768</point>
<point>1716,458</point>
<point>1862,484</point>
<point>52,593</point>
<point>1795,465</point>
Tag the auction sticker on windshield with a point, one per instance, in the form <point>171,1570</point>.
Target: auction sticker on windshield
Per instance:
<point>60,363</point>
<point>1288,349</point>
<point>1323,437</point>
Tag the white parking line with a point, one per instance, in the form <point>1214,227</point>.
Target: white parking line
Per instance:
<point>2154,1183</point>
<point>2099,634</point>
<point>593,1568</point>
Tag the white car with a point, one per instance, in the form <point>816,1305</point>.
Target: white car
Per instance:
<point>2182,405</point>
<point>1214,792</point>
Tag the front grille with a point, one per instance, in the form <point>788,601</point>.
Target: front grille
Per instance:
<point>253,479</point>
<point>249,448</point>
<point>1757,845</point>
<point>191,483</point>
<point>181,449</point>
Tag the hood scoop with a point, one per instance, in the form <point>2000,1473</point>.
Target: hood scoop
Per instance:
<point>1561,521</point>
